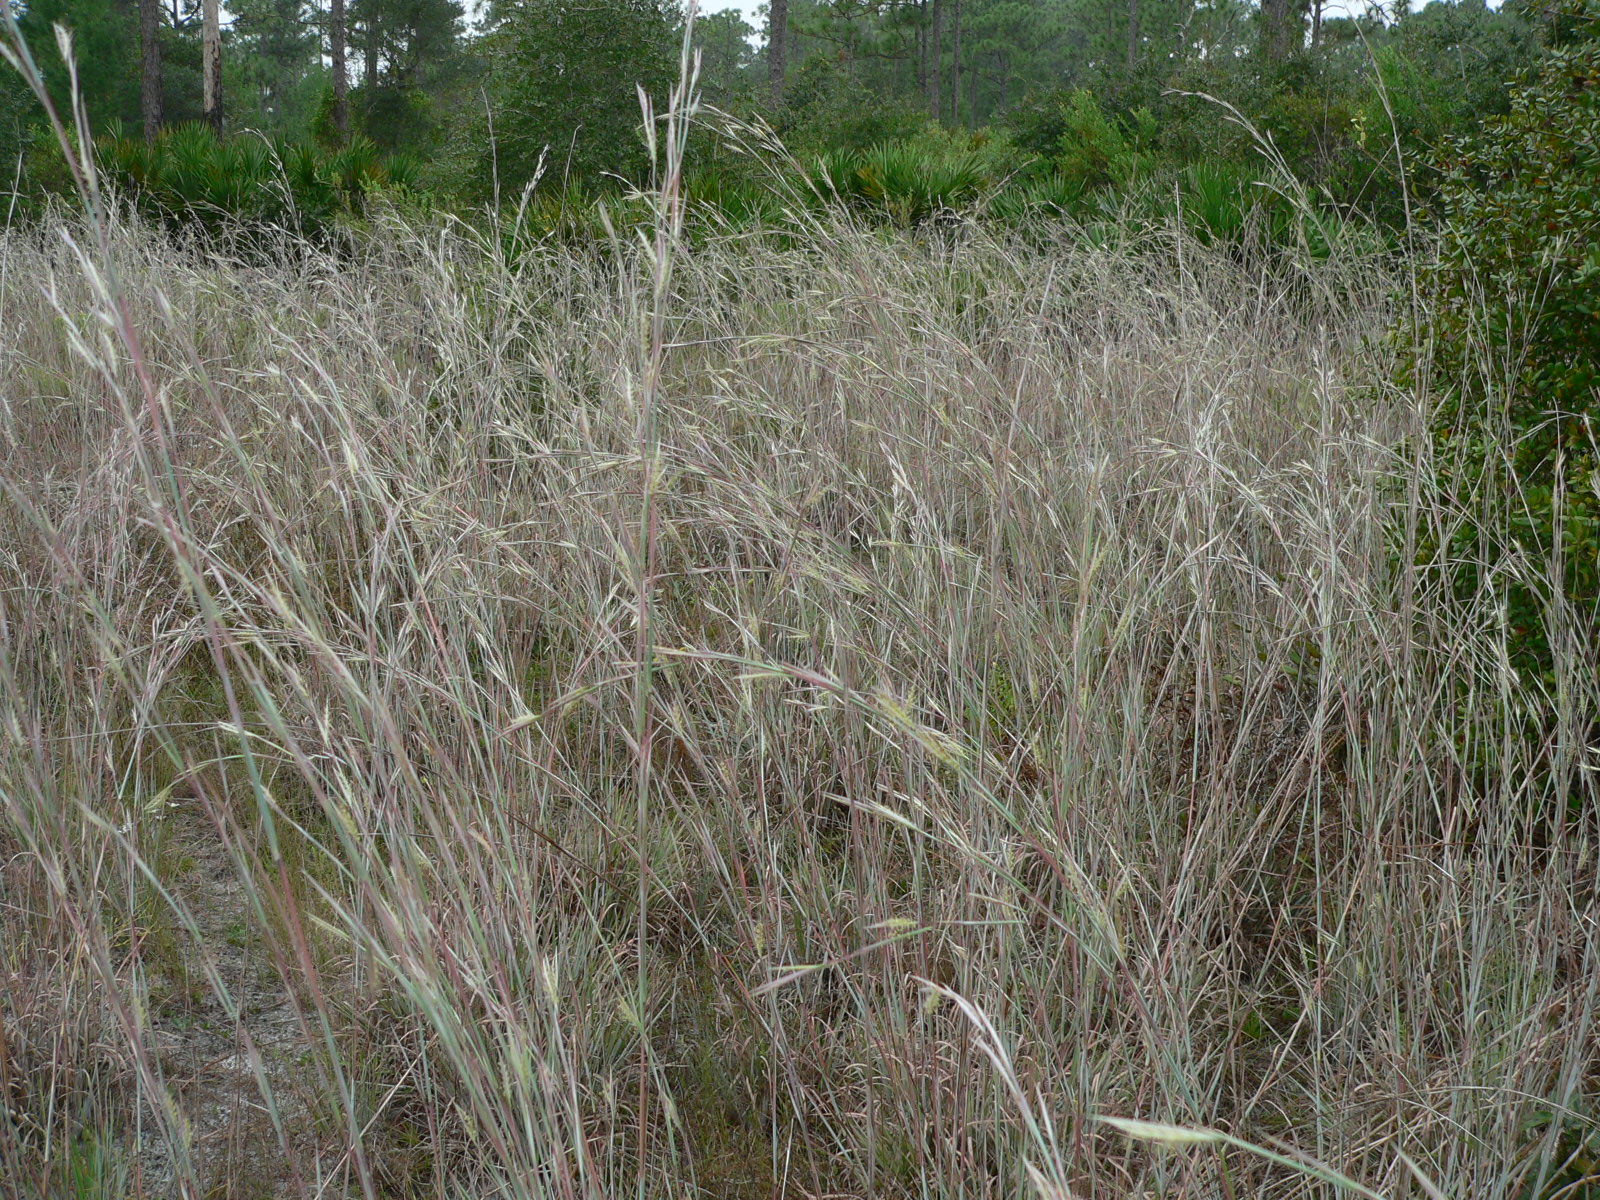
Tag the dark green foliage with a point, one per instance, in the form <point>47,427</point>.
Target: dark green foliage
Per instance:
<point>1017,46</point>
<point>410,75</point>
<point>1305,109</point>
<point>828,106</point>
<point>1434,78</point>
<point>900,182</point>
<point>1041,199</point>
<point>1216,200</point>
<point>190,178</point>
<point>1514,348</point>
<point>1037,124</point>
<point>1095,162</point>
<point>182,95</point>
<point>405,40</point>
<point>1578,1153</point>
<point>1098,112</point>
<point>1095,151</point>
<point>105,39</point>
<point>1471,49</point>
<point>731,201</point>
<point>272,67</point>
<point>272,75</point>
<point>563,87</point>
<point>389,114</point>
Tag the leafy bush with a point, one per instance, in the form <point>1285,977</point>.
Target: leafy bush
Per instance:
<point>1515,344</point>
<point>913,185</point>
<point>1042,198</point>
<point>1216,198</point>
<point>1036,122</point>
<point>1406,110</point>
<point>734,201</point>
<point>1095,151</point>
<point>906,182</point>
<point>562,87</point>
<point>190,177</point>
<point>827,107</point>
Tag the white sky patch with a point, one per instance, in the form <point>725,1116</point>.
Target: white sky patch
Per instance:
<point>751,10</point>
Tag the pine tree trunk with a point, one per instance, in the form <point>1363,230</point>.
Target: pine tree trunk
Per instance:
<point>211,63</point>
<point>777,47</point>
<point>1133,36</point>
<point>935,55</point>
<point>922,46</point>
<point>1281,31</point>
<point>341,79</point>
<point>150,67</point>
<point>955,66</point>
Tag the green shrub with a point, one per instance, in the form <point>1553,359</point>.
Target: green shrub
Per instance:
<point>733,201</point>
<point>1036,123</point>
<point>1217,198</point>
<point>827,107</point>
<point>562,88</point>
<point>1515,345</point>
<point>905,182</point>
<point>1095,151</point>
<point>1044,198</point>
<point>1442,71</point>
<point>190,178</point>
<point>913,186</point>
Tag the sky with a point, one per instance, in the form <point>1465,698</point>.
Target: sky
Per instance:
<point>750,8</point>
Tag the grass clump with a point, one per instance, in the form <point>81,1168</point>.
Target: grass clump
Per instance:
<point>898,696</point>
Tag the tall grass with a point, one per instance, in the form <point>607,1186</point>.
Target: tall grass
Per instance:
<point>821,714</point>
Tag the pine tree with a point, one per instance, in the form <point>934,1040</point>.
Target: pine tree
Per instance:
<point>105,42</point>
<point>562,86</point>
<point>211,63</point>
<point>150,68</point>
<point>273,64</point>
<point>411,47</point>
<point>1282,28</point>
<point>723,39</point>
<point>777,47</point>
<point>341,78</point>
<point>404,38</point>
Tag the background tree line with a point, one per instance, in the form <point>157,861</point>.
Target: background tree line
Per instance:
<point>1073,98</point>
